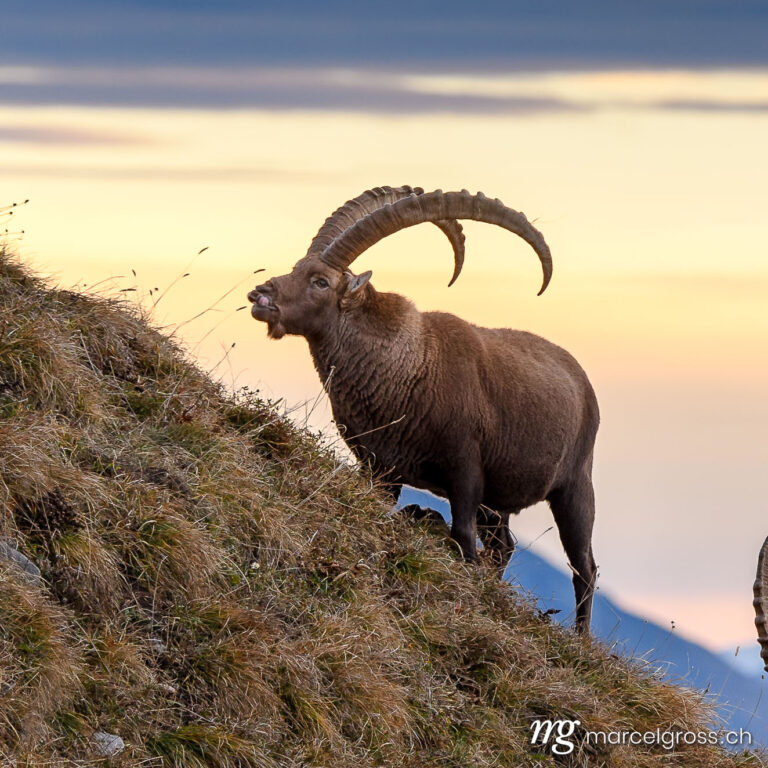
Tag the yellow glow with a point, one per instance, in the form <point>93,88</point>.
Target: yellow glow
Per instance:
<point>607,88</point>
<point>656,221</point>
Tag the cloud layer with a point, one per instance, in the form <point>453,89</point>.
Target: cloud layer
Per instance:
<point>263,88</point>
<point>386,92</point>
<point>495,34</point>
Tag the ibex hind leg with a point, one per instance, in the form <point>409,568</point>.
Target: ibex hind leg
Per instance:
<point>497,539</point>
<point>573,508</point>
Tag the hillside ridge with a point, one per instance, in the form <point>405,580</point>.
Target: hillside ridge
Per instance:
<point>217,588</point>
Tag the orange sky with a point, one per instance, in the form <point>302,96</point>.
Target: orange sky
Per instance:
<point>656,219</point>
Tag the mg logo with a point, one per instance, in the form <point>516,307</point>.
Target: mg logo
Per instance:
<point>555,732</point>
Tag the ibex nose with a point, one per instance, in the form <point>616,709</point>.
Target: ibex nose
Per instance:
<point>264,288</point>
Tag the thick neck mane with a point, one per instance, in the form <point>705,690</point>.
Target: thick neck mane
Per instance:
<point>381,335</point>
<point>384,325</point>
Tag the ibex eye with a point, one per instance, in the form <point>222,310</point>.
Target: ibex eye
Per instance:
<point>320,282</point>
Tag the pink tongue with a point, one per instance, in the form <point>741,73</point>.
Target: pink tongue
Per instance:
<point>262,301</point>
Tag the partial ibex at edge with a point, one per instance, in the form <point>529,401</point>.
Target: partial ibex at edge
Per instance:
<point>494,419</point>
<point>761,602</point>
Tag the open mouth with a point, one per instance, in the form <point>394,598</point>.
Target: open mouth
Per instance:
<point>261,301</point>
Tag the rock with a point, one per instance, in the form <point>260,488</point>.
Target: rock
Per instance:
<point>107,744</point>
<point>417,514</point>
<point>29,570</point>
<point>158,646</point>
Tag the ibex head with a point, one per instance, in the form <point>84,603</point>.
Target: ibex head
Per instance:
<point>308,300</point>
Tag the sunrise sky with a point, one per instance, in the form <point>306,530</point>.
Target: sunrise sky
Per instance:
<point>646,174</point>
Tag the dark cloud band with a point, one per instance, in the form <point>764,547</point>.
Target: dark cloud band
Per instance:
<point>495,34</point>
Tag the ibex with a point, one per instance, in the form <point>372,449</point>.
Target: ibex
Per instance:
<point>493,419</point>
<point>761,602</point>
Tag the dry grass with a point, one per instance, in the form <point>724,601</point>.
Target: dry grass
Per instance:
<point>220,590</point>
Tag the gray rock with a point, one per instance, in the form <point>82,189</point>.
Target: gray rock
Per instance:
<point>9,553</point>
<point>157,646</point>
<point>107,744</point>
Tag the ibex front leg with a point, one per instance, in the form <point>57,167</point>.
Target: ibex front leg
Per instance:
<point>465,494</point>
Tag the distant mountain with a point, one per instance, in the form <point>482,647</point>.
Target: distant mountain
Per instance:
<point>745,659</point>
<point>739,687</point>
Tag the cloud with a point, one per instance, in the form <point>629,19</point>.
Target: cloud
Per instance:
<point>62,135</point>
<point>163,173</point>
<point>369,91</point>
<point>495,34</point>
<point>256,87</point>
<point>711,105</point>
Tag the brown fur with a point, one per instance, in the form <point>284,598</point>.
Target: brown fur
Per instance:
<point>482,416</point>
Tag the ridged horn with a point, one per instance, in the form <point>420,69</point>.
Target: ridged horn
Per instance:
<point>761,602</point>
<point>433,206</point>
<point>368,202</point>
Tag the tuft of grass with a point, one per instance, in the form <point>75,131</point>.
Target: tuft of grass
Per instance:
<point>39,663</point>
<point>221,589</point>
<point>205,746</point>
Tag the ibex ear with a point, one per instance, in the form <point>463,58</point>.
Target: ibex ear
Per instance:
<point>356,282</point>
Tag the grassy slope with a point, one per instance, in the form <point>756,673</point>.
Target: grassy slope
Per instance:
<point>221,591</point>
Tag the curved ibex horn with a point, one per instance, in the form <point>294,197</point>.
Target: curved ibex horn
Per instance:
<point>761,602</point>
<point>433,206</point>
<point>368,202</point>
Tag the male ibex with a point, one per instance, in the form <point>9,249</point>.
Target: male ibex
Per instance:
<point>494,419</point>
